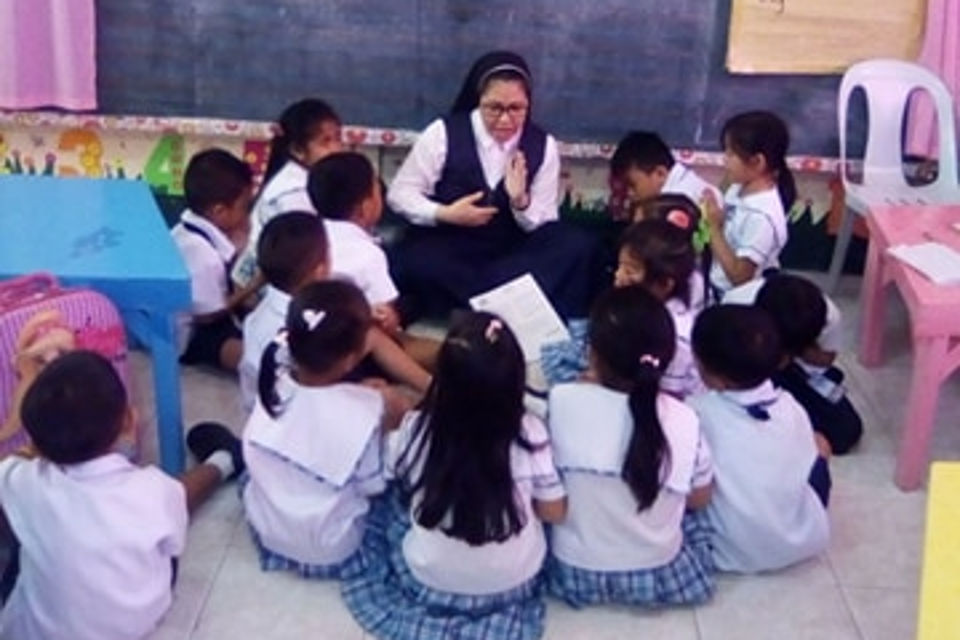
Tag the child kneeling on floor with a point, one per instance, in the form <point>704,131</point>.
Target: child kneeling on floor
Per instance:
<point>463,542</point>
<point>633,460</point>
<point>98,536</point>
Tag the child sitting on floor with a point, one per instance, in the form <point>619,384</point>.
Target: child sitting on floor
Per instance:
<point>633,461</point>
<point>475,475</point>
<point>312,444</point>
<point>772,485</point>
<point>218,188</point>
<point>97,535</point>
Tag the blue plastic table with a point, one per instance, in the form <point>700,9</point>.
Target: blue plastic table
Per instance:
<point>110,236</point>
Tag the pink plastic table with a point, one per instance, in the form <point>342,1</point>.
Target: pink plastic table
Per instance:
<point>934,321</point>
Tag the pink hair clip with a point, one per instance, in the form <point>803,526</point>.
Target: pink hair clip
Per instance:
<point>679,218</point>
<point>653,361</point>
<point>493,330</point>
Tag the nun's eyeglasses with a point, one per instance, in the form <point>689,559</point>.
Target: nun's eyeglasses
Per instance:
<point>494,110</point>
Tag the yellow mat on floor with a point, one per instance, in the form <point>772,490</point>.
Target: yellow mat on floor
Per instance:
<point>940,589</point>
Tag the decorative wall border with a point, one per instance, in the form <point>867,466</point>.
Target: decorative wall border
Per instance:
<point>353,134</point>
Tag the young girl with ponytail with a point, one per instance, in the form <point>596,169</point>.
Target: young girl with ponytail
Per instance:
<point>313,442</point>
<point>633,461</point>
<point>307,131</point>
<point>750,230</point>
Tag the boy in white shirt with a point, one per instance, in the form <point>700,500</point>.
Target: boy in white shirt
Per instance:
<point>644,163</point>
<point>346,192</point>
<point>772,485</point>
<point>219,191</point>
<point>83,570</point>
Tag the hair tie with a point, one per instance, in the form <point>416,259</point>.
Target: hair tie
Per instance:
<point>679,218</point>
<point>652,360</point>
<point>506,66</point>
<point>313,318</point>
<point>493,330</point>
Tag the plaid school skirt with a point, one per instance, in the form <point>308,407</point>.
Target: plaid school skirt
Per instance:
<point>388,602</point>
<point>565,361</point>
<point>687,579</point>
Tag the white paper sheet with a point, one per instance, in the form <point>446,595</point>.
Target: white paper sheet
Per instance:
<point>936,261</point>
<point>526,309</point>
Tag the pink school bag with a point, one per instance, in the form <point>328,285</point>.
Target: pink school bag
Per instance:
<point>91,316</point>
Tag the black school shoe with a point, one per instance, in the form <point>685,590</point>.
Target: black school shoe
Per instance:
<point>206,437</point>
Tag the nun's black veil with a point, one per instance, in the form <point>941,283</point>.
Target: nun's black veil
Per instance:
<point>493,62</point>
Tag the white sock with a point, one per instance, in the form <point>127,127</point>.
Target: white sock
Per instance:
<point>223,461</point>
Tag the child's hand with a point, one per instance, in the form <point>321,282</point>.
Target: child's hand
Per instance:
<point>515,181</point>
<point>712,210</point>
<point>387,318</point>
<point>40,341</point>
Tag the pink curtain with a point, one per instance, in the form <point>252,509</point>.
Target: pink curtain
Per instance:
<point>940,54</point>
<point>47,55</point>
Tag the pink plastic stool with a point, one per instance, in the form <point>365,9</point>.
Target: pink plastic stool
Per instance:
<point>934,318</point>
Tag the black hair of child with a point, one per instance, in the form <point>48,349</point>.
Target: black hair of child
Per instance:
<point>683,213</point>
<point>738,343</point>
<point>74,411</point>
<point>494,65</point>
<point>339,183</point>
<point>471,417</point>
<point>290,247</point>
<point>633,340</point>
<point>298,124</point>
<point>797,308</point>
<point>644,150</point>
<point>326,322</point>
<point>665,251</point>
<point>213,177</point>
<point>764,133</point>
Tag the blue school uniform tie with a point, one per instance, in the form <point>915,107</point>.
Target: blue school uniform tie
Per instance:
<point>192,228</point>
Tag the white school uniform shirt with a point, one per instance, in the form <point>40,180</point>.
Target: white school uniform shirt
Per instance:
<point>756,229</point>
<point>411,191</point>
<point>260,327</point>
<point>681,377</point>
<point>312,470</point>
<point>831,337</point>
<point>591,428</point>
<point>206,251</point>
<point>284,193</point>
<point>355,256</point>
<point>766,514</point>
<point>448,564</point>
<point>97,539</point>
<point>684,180</point>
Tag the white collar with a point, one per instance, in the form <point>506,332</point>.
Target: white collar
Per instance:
<point>211,234</point>
<point>676,174</point>
<point>99,466</point>
<point>350,229</point>
<point>485,140</point>
<point>762,396</point>
<point>276,300</point>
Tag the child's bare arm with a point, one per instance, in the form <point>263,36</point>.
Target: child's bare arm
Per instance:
<point>552,511</point>
<point>394,360</point>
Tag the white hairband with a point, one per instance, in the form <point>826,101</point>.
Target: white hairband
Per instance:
<point>506,66</point>
<point>313,318</point>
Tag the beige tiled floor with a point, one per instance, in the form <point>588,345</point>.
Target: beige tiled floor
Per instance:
<point>865,587</point>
